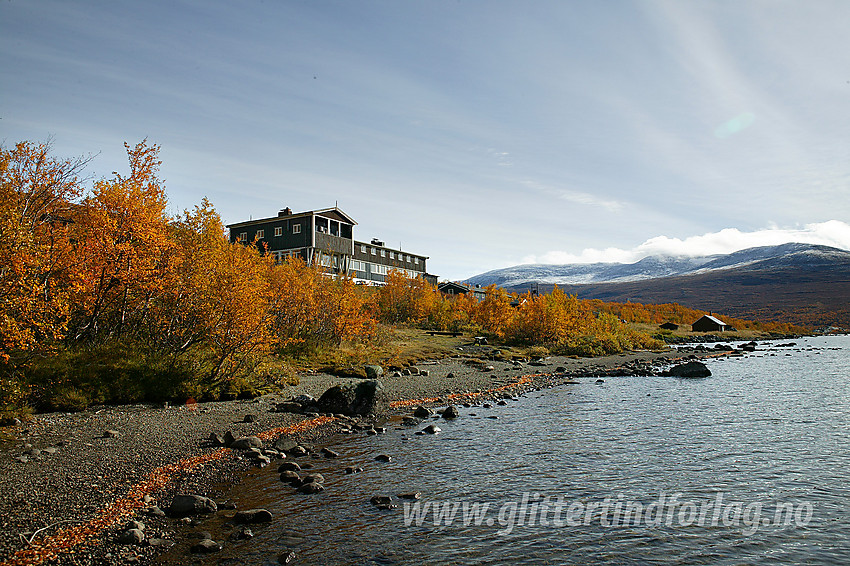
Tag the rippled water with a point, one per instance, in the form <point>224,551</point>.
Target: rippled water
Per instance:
<point>766,430</point>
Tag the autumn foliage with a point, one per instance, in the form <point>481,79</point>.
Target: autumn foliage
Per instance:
<point>106,297</point>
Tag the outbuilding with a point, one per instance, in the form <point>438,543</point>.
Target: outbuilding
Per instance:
<point>709,323</point>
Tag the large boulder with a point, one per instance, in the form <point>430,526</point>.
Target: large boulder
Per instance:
<point>361,398</point>
<point>690,369</point>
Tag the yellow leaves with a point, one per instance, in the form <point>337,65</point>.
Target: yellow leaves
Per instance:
<point>406,299</point>
<point>311,307</point>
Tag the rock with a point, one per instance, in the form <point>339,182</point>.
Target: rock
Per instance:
<point>380,429</point>
<point>383,458</point>
<point>131,536</point>
<point>297,451</point>
<point>328,453</point>
<point>411,495</point>
<point>409,421</point>
<point>241,533</point>
<point>206,546</point>
<point>216,439</point>
<point>406,372</point>
<point>501,403</point>
<point>422,412</point>
<point>380,500</point>
<point>688,370</point>
<point>228,438</point>
<point>249,418</point>
<point>289,466</point>
<point>414,370</point>
<point>135,525</point>
<point>371,432</point>
<point>188,505</point>
<point>291,477</point>
<point>395,374</point>
<point>480,341</point>
<point>450,375</point>
<point>313,478</point>
<point>451,412</point>
<point>311,487</point>
<point>50,450</point>
<point>488,368</point>
<point>23,459</point>
<point>600,381</point>
<point>289,407</point>
<point>353,470</point>
<point>286,557</point>
<point>424,373</point>
<point>111,433</point>
<point>373,371</point>
<point>285,444</point>
<point>252,516</point>
<point>153,511</point>
<point>246,443</point>
<point>432,429</point>
<point>361,398</point>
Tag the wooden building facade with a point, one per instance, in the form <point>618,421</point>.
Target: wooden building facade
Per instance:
<point>326,237</point>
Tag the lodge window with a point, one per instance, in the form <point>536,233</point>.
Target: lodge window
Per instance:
<point>416,260</point>
<point>243,237</point>
<point>261,234</point>
<point>373,251</point>
<point>383,253</point>
<point>296,228</point>
<point>278,231</point>
<point>407,258</point>
<point>392,255</point>
<point>362,248</point>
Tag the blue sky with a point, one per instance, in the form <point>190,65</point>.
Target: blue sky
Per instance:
<point>480,133</point>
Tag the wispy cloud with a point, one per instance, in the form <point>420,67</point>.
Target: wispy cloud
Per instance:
<point>833,233</point>
<point>576,197</point>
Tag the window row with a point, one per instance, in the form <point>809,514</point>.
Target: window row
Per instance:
<point>261,234</point>
<point>364,249</point>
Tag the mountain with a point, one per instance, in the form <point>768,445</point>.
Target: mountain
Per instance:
<point>800,283</point>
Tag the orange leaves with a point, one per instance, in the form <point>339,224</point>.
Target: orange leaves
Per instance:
<point>220,302</point>
<point>124,248</point>
<point>406,299</point>
<point>36,213</point>
<point>311,308</point>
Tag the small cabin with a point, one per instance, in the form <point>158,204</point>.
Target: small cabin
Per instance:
<point>709,323</point>
<point>453,288</point>
<point>669,326</point>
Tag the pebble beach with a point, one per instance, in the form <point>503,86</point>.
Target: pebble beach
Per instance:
<point>71,484</point>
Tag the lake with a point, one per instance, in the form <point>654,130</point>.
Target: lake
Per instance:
<point>749,466</point>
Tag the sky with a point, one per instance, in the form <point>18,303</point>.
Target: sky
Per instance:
<point>480,133</point>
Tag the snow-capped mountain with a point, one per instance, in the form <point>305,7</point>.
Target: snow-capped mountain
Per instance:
<point>654,267</point>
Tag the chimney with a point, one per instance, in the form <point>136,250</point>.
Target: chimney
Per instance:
<point>377,242</point>
<point>285,212</point>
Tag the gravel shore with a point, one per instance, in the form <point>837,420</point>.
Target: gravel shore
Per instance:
<point>69,483</point>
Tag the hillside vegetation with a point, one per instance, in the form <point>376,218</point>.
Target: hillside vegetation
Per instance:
<point>106,298</point>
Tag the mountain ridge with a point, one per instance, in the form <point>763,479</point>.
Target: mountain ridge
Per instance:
<point>804,284</point>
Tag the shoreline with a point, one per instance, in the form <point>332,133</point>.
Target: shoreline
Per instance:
<point>82,484</point>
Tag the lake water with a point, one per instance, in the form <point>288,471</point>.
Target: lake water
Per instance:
<point>749,466</point>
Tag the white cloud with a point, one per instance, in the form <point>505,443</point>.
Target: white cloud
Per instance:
<point>833,233</point>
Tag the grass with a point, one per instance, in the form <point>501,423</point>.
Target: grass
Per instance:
<point>684,334</point>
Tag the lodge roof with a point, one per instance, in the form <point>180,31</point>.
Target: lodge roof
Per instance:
<point>333,212</point>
